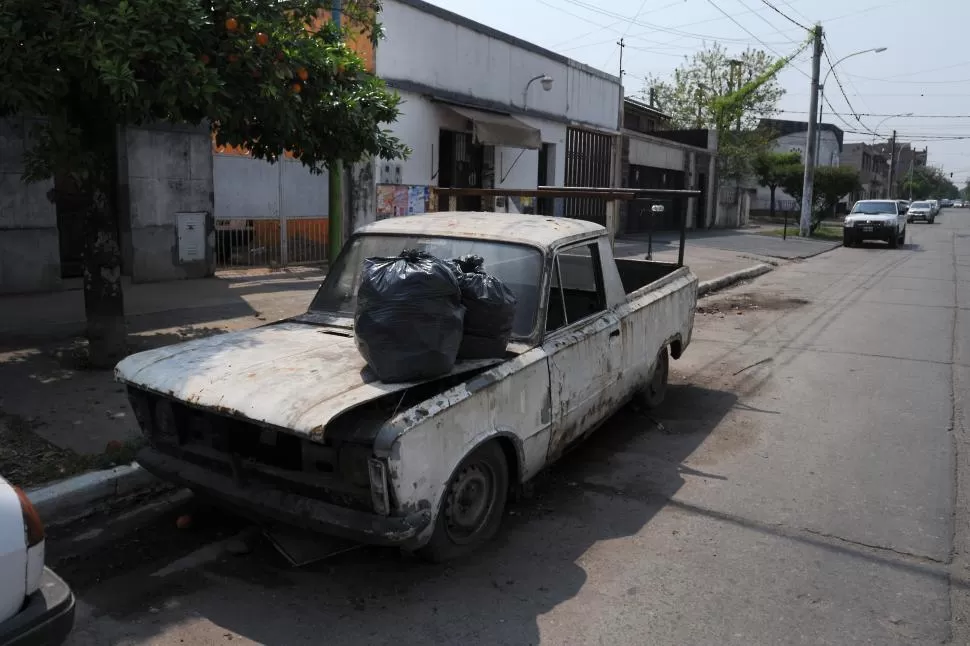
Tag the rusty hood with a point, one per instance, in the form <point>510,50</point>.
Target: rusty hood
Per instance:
<point>288,375</point>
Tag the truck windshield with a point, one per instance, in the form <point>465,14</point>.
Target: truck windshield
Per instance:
<point>518,266</point>
<point>875,208</point>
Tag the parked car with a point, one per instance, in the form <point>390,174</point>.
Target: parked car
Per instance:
<point>286,421</point>
<point>945,204</point>
<point>903,206</point>
<point>936,206</point>
<point>958,204</point>
<point>874,220</point>
<point>36,606</point>
<point>920,211</point>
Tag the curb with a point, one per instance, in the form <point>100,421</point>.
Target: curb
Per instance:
<point>721,282</point>
<point>74,498</point>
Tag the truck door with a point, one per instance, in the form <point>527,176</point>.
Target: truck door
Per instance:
<point>580,332</point>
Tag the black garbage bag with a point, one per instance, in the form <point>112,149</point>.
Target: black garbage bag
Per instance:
<point>408,323</point>
<point>489,310</point>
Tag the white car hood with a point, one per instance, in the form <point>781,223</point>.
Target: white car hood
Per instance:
<point>874,217</point>
<point>289,375</point>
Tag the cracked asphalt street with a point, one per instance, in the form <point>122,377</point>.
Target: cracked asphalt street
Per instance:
<point>804,483</point>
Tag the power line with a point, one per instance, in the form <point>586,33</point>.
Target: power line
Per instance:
<point>838,82</point>
<point>745,29</point>
<point>784,15</point>
<point>764,20</point>
<point>901,116</point>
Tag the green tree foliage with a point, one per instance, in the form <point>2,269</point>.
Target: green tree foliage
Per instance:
<point>259,72</point>
<point>773,169</point>
<point>929,182</point>
<point>831,184</point>
<point>707,91</point>
<point>691,95</point>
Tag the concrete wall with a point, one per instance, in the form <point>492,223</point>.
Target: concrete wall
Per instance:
<point>655,155</point>
<point>168,170</point>
<point>439,49</point>
<point>29,244</point>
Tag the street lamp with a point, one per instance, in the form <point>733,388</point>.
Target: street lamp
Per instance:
<point>821,89</point>
<point>544,79</point>
<point>892,116</point>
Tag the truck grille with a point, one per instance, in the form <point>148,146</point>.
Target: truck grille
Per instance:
<point>246,451</point>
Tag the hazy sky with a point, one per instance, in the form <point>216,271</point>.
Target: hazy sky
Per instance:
<point>925,70</point>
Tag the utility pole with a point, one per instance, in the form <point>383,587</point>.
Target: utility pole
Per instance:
<point>892,166</point>
<point>613,206</point>
<point>736,81</point>
<point>335,214</point>
<point>808,199</point>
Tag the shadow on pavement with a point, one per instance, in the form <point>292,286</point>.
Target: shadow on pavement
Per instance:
<point>609,487</point>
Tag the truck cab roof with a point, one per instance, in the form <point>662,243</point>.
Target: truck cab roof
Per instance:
<point>536,230</point>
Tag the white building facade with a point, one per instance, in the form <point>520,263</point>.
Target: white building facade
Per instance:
<point>793,137</point>
<point>484,109</point>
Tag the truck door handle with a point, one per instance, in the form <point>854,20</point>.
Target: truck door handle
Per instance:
<point>614,334</point>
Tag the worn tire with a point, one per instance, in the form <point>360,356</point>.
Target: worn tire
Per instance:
<point>847,240</point>
<point>902,237</point>
<point>894,241</point>
<point>486,464</point>
<point>654,391</point>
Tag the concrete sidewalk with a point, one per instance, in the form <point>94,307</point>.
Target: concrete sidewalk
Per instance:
<point>737,241</point>
<point>230,300</point>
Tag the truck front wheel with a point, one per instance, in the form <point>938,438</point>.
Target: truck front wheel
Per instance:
<point>655,390</point>
<point>472,506</point>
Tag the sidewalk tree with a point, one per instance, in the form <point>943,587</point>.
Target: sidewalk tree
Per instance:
<point>928,182</point>
<point>711,90</point>
<point>772,169</point>
<point>832,183</point>
<point>266,76</point>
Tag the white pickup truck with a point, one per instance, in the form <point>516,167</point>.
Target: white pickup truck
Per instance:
<point>287,422</point>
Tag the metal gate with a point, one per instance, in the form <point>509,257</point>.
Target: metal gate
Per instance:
<point>268,215</point>
<point>589,160</point>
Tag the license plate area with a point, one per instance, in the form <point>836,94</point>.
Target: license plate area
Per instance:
<point>867,229</point>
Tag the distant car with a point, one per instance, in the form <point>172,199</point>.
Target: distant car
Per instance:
<point>36,606</point>
<point>936,206</point>
<point>903,206</point>
<point>875,220</point>
<point>944,204</point>
<point>958,204</point>
<point>920,211</point>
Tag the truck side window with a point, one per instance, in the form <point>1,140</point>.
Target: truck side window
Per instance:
<point>576,289</point>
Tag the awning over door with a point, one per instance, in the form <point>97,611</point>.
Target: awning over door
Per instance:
<point>493,129</point>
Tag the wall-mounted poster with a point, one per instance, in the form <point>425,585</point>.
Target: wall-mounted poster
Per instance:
<point>385,201</point>
<point>395,200</point>
<point>417,199</point>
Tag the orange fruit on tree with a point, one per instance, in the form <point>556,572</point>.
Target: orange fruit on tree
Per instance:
<point>297,88</point>
<point>261,38</point>
<point>232,24</point>
<point>303,73</point>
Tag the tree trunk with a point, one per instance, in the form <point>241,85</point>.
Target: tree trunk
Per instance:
<point>104,305</point>
<point>771,208</point>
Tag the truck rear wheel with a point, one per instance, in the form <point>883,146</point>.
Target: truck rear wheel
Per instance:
<point>472,506</point>
<point>655,390</point>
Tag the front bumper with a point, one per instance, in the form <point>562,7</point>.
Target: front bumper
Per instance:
<point>862,232</point>
<point>46,619</point>
<point>919,216</point>
<point>261,501</point>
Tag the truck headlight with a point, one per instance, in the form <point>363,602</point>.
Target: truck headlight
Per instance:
<point>378,486</point>
<point>352,463</point>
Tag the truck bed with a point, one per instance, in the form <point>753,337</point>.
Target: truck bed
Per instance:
<point>636,274</point>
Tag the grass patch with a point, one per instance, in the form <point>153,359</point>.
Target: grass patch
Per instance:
<point>824,232</point>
